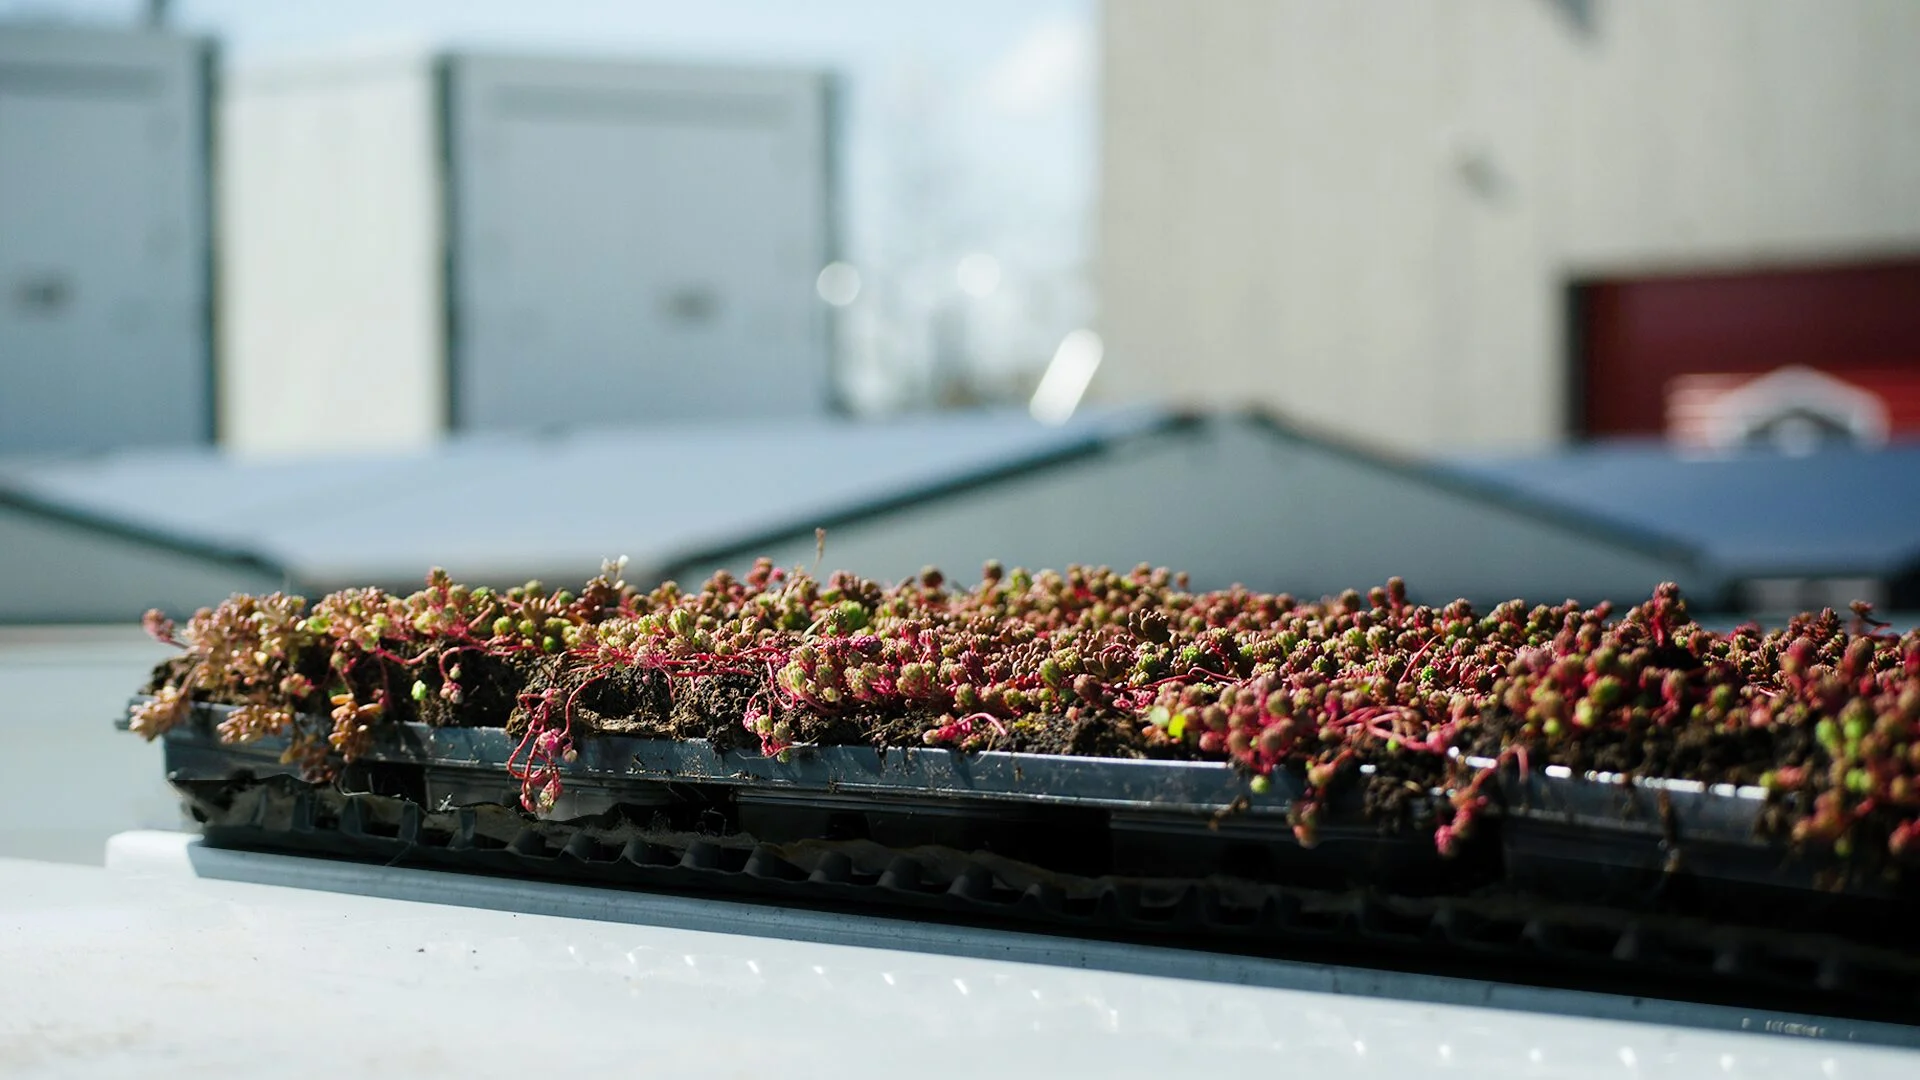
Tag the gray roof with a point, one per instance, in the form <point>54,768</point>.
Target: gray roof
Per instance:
<point>1831,513</point>
<point>489,507</point>
<point>1115,485</point>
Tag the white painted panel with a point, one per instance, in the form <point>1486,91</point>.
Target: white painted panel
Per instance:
<point>103,242</point>
<point>635,242</point>
<point>333,317</point>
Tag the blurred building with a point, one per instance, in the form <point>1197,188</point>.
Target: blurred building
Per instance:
<point>419,244</point>
<point>1232,498</point>
<point>1512,222</point>
<point>106,320</point>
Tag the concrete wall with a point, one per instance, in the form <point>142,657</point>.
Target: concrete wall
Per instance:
<point>1234,502</point>
<point>1368,214</point>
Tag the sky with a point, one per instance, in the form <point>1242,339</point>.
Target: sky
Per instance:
<point>966,130</point>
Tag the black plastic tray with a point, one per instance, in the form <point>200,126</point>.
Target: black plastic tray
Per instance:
<point>1127,816</point>
<point>1679,845</point>
<point>1169,786</point>
<point>1646,844</point>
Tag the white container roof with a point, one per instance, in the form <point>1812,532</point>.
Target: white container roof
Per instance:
<point>163,973</point>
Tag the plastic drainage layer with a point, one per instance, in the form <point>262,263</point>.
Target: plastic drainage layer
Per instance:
<point>1488,935</point>
<point>1613,809</point>
<point>1115,783</point>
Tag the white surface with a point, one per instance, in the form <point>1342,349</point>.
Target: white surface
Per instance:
<point>1368,213</point>
<point>71,780</point>
<point>179,854</point>
<point>112,974</point>
<point>103,241</point>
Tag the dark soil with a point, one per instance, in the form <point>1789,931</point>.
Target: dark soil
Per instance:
<point>1096,736</point>
<point>490,686</point>
<point>712,708</point>
<point>1397,795</point>
<point>170,670</point>
<point>1739,756</point>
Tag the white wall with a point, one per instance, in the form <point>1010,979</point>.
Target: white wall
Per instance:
<point>1367,214</point>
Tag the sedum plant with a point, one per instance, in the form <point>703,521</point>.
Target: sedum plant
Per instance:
<point>1822,713</point>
